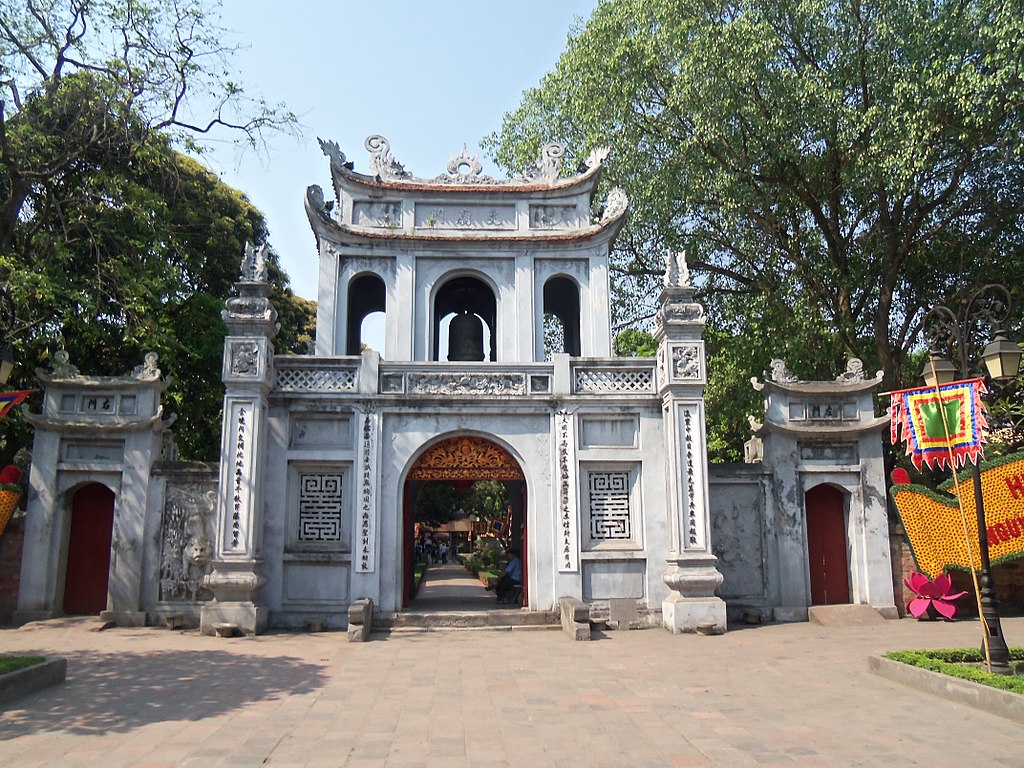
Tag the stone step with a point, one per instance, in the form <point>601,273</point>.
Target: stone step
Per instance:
<point>452,620</point>
<point>843,615</point>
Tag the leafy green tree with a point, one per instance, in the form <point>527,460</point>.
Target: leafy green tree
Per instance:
<point>831,168</point>
<point>633,342</point>
<point>111,242</point>
<point>96,80</point>
<point>437,503</point>
<point>487,499</point>
<point>142,260</point>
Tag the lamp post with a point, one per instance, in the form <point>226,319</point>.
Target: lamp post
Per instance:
<point>986,309</point>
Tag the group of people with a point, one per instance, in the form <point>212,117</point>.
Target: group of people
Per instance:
<point>435,551</point>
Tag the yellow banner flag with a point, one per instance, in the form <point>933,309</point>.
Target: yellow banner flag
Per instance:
<point>934,527</point>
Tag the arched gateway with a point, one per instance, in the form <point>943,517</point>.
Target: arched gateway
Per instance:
<point>495,297</point>
<point>462,460</point>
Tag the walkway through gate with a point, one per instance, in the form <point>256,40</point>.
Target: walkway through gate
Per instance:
<point>462,461</point>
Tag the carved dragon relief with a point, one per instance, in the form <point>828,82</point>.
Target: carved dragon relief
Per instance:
<point>381,161</point>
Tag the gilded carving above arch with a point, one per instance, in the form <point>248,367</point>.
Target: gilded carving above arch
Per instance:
<point>466,458</point>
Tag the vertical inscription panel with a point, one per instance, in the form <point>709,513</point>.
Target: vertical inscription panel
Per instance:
<point>567,555</point>
<point>364,551</point>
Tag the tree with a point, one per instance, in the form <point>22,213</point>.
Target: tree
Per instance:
<point>633,342</point>
<point>488,500</point>
<point>113,244</point>
<point>438,503</point>
<point>831,168</point>
<point>104,78</point>
<point>142,259</point>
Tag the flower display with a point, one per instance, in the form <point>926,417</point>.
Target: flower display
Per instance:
<point>932,594</point>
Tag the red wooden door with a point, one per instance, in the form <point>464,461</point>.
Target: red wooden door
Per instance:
<point>826,546</point>
<point>88,563</point>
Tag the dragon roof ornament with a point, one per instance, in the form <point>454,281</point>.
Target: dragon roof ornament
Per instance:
<point>382,163</point>
<point>462,169</point>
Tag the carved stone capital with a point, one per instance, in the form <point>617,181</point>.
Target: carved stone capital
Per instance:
<point>693,576</point>
<point>251,312</point>
<point>234,582</point>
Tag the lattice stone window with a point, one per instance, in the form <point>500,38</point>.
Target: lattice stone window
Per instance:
<point>320,507</point>
<point>610,508</point>
<point>595,380</point>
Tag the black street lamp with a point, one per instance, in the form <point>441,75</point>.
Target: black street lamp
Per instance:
<point>985,310</point>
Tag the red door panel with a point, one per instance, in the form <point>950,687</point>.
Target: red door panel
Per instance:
<point>88,563</point>
<point>826,546</point>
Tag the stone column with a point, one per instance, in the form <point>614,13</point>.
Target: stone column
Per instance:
<point>692,574</point>
<point>248,373</point>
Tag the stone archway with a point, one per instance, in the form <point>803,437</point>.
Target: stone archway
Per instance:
<point>460,459</point>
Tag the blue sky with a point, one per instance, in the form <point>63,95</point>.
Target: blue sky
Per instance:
<point>430,76</point>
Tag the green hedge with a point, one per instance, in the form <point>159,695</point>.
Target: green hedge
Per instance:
<point>14,663</point>
<point>955,663</point>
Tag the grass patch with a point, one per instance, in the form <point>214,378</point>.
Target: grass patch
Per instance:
<point>964,664</point>
<point>14,663</point>
<point>418,569</point>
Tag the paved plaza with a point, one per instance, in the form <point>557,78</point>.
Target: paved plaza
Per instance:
<point>792,694</point>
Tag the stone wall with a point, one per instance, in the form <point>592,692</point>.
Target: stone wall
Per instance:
<point>10,566</point>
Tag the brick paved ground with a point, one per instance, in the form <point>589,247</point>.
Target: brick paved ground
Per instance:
<point>795,695</point>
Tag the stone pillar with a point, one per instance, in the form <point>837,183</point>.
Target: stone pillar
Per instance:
<point>692,574</point>
<point>248,375</point>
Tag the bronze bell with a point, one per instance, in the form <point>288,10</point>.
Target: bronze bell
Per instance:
<point>466,338</point>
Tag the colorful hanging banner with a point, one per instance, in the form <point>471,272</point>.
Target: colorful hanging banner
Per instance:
<point>940,425</point>
<point>10,399</point>
<point>934,527</point>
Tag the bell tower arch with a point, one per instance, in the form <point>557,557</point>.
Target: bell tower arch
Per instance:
<point>465,317</point>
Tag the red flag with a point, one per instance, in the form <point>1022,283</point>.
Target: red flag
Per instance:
<point>10,399</point>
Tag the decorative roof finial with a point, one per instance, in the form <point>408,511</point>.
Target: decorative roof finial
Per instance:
<point>254,264</point>
<point>381,162</point>
<point>677,273</point>
<point>333,151</point>
<point>549,167</point>
<point>616,204</point>
<point>148,371</point>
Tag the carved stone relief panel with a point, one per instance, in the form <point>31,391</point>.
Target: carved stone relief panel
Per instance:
<point>384,214</point>
<point>687,363</point>
<point>553,217</point>
<point>465,384</point>
<point>736,538</point>
<point>186,542</point>
<point>392,383</point>
<point>834,453</point>
<point>245,359</point>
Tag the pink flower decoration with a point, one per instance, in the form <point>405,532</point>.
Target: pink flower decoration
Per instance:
<point>932,593</point>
